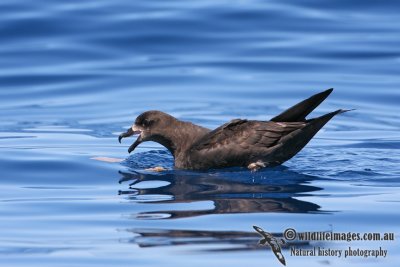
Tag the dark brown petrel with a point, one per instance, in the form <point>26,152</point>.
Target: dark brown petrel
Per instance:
<point>242,143</point>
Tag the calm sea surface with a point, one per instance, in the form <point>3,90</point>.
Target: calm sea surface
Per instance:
<point>75,74</point>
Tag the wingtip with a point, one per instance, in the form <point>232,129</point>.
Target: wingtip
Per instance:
<point>301,110</point>
<point>258,229</point>
<point>327,92</point>
<point>345,110</point>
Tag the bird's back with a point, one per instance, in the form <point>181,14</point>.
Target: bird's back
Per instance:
<point>238,143</point>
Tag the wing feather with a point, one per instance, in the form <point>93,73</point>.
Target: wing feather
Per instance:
<point>238,141</point>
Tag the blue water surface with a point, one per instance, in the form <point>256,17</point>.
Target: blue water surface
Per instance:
<point>75,74</point>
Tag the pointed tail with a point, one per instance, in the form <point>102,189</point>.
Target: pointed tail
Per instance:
<point>292,143</point>
<point>300,111</point>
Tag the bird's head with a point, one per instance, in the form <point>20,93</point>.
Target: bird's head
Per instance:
<point>151,125</point>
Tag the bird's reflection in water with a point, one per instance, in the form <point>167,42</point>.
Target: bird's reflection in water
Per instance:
<point>231,191</point>
<point>221,241</point>
<point>238,191</point>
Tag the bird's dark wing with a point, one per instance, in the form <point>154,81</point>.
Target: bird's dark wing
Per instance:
<point>240,141</point>
<point>300,111</point>
<point>259,230</point>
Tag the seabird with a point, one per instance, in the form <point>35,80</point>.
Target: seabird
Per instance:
<point>238,143</point>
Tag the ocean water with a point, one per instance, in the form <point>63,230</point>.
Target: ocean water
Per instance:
<point>75,74</point>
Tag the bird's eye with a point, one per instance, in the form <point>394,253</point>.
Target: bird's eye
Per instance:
<point>147,122</point>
